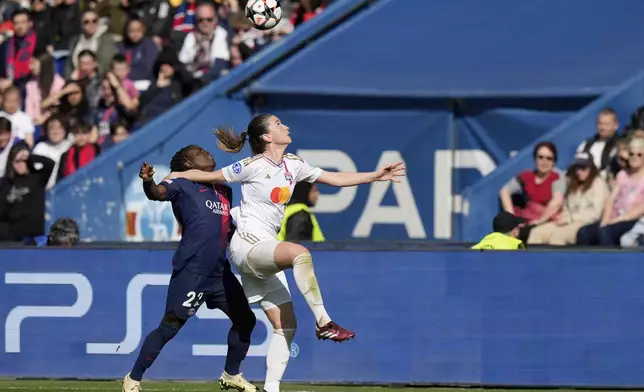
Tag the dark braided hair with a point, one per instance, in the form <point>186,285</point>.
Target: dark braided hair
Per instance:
<point>182,160</point>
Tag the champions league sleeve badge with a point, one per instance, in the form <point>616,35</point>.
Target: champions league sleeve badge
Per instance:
<point>237,168</point>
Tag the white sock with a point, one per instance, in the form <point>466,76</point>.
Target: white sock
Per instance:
<point>307,283</point>
<point>279,352</point>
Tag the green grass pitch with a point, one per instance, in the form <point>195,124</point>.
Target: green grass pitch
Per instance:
<point>115,386</point>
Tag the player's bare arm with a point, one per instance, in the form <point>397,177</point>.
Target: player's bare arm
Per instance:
<point>200,176</point>
<point>152,190</point>
<point>341,179</point>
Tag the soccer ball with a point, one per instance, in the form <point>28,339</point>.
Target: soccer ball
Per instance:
<point>263,14</point>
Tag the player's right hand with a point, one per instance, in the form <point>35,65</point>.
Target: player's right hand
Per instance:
<point>147,172</point>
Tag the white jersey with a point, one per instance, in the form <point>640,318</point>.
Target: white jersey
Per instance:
<point>266,188</point>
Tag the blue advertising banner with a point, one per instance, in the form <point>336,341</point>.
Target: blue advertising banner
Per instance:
<point>421,317</point>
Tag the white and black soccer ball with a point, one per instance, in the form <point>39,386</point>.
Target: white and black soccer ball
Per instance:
<point>263,14</point>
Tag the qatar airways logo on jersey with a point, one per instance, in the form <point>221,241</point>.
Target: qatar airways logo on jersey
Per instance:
<point>218,207</point>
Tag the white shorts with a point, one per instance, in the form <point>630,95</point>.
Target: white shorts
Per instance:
<point>253,258</point>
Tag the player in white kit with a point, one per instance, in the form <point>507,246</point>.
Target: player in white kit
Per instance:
<point>268,179</point>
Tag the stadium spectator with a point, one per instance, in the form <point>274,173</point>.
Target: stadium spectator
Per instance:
<point>22,194</point>
<point>45,82</point>
<point>121,69</point>
<point>80,154</point>
<point>139,51</point>
<point>71,102</point>
<point>17,51</point>
<point>23,127</point>
<point>299,223</point>
<point>228,10</point>
<point>180,21</point>
<point>541,190</point>
<point>634,237</point>
<point>236,58</point>
<point>636,121</point>
<point>602,145</point>
<point>619,161</point>
<point>506,233</point>
<point>115,105</point>
<point>87,73</point>
<point>63,232</point>
<point>636,133</point>
<point>55,144</point>
<point>115,14</point>
<point>205,51</point>
<point>42,21</point>
<point>168,89</point>
<point>250,40</point>
<point>119,132</point>
<point>92,37</point>
<point>66,23</point>
<point>7,8</point>
<point>306,10</point>
<point>624,207</point>
<point>7,140</point>
<point>152,13</point>
<point>584,203</point>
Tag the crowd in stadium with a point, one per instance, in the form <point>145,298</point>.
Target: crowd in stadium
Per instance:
<point>78,77</point>
<point>597,200</point>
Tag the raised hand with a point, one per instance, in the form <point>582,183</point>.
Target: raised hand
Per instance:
<point>391,172</point>
<point>147,172</point>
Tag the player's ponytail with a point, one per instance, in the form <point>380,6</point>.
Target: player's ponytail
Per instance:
<point>228,141</point>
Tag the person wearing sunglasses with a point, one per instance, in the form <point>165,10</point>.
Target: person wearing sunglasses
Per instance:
<point>206,51</point>
<point>536,195</point>
<point>625,205</point>
<point>22,194</point>
<point>584,203</point>
<point>93,37</point>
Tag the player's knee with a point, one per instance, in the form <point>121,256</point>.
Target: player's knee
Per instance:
<point>299,250</point>
<point>290,250</point>
<point>173,321</point>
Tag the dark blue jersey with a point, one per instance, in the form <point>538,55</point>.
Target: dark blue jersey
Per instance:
<point>204,215</point>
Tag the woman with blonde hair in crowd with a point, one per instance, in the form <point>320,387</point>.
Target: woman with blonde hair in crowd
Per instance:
<point>625,205</point>
<point>583,204</point>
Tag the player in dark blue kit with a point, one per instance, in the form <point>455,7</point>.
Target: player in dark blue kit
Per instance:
<point>201,273</point>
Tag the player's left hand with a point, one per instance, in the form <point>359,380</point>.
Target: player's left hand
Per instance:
<point>391,172</point>
<point>146,173</point>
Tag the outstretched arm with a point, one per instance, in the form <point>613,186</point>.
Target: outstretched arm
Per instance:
<point>346,179</point>
<point>199,176</point>
<point>341,179</point>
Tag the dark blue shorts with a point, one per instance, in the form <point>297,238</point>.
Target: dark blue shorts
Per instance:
<point>189,290</point>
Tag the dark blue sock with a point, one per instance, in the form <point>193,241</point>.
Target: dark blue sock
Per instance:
<point>239,341</point>
<point>151,348</point>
